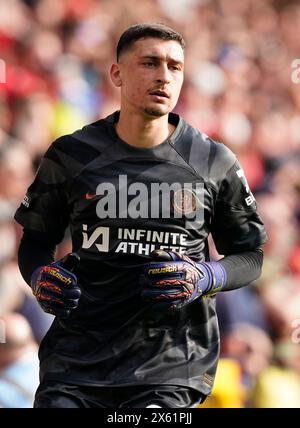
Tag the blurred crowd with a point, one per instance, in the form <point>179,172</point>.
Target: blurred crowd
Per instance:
<point>238,89</point>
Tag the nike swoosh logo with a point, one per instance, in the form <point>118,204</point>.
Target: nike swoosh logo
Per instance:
<point>89,196</point>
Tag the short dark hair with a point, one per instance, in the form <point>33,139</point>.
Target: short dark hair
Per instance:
<point>146,30</point>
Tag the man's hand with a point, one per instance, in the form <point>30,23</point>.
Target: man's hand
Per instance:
<point>55,286</point>
<point>173,280</point>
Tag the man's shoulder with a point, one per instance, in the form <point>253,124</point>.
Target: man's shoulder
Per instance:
<point>206,155</point>
<point>83,145</point>
<point>90,136</point>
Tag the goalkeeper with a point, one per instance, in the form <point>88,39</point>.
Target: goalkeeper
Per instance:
<point>141,191</point>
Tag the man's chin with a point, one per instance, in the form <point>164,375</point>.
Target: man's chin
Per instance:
<point>156,112</point>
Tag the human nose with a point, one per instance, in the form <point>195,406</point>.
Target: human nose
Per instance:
<point>163,74</point>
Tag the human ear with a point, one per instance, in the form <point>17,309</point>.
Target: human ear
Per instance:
<point>115,75</point>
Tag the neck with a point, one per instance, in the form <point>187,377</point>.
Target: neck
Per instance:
<point>139,131</point>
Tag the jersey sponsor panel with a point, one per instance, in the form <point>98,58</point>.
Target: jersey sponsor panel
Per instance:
<point>132,241</point>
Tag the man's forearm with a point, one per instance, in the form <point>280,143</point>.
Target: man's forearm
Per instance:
<point>242,268</point>
<point>33,252</point>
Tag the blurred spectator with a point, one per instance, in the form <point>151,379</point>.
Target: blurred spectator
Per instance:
<point>251,347</point>
<point>279,384</point>
<point>277,387</point>
<point>16,296</point>
<point>15,173</point>
<point>241,306</point>
<point>228,389</point>
<point>18,364</point>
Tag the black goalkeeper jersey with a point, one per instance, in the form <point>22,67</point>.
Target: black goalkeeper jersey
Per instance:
<point>122,202</point>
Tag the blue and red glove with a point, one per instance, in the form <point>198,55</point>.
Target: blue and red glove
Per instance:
<point>173,280</point>
<point>55,286</point>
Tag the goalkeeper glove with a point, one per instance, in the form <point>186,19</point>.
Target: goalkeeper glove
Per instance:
<point>55,286</point>
<point>173,280</point>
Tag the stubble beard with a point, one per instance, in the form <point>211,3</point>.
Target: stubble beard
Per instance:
<point>155,112</point>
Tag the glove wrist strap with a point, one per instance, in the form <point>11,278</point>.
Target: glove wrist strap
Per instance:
<point>34,276</point>
<point>215,277</point>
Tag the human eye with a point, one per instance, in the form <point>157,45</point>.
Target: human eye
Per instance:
<point>175,67</point>
<point>149,64</point>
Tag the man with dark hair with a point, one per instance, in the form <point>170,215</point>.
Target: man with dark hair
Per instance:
<point>141,190</point>
<point>142,31</point>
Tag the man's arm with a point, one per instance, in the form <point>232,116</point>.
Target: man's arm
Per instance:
<point>53,283</point>
<point>174,280</point>
<point>44,214</point>
<point>34,252</point>
<point>242,269</point>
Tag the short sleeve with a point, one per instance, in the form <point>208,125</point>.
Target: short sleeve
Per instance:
<point>44,208</point>
<point>236,226</point>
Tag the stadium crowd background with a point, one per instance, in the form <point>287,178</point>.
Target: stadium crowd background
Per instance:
<point>240,88</point>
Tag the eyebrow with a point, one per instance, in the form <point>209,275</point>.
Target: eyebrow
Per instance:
<point>159,58</point>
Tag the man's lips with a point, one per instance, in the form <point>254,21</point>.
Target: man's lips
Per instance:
<point>159,93</point>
